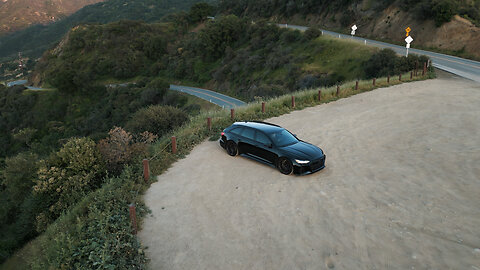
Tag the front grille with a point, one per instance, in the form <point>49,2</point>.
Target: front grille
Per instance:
<point>317,164</point>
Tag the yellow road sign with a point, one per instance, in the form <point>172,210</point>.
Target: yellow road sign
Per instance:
<point>408,30</point>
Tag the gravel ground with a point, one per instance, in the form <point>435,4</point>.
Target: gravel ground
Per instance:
<point>401,190</point>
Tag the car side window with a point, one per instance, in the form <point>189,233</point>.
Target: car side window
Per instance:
<point>248,133</point>
<point>237,131</point>
<point>262,138</point>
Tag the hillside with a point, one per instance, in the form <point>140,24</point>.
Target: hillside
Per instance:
<point>246,60</point>
<point>19,14</point>
<point>451,25</point>
<point>35,40</point>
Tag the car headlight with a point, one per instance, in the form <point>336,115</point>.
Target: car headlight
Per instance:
<point>302,161</point>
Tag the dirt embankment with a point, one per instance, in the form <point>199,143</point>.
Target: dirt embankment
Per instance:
<point>400,191</point>
<point>390,24</point>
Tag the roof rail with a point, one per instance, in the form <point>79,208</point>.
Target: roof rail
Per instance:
<point>266,123</point>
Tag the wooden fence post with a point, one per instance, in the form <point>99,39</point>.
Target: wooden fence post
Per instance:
<point>356,85</point>
<point>232,114</point>
<point>263,107</point>
<point>133,217</point>
<point>424,68</point>
<point>174,145</point>
<point>338,90</point>
<point>374,80</point>
<point>293,101</point>
<point>400,77</point>
<point>209,123</point>
<point>411,75</point>
<point>319,95</point>
<point>146,170</point>
<point>388,79</point>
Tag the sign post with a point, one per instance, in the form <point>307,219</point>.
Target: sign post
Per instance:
<point>409,39</point>
<point>354,28</point>
<point>408,31</point>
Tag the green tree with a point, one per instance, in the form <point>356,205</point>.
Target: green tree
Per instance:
<point>200,11</point>
<point>218,35</point>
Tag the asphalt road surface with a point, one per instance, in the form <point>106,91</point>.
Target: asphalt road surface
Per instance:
<point>462,67</point>
<point>214,97</point>
<point>23,82</point>
<point>400,191</point>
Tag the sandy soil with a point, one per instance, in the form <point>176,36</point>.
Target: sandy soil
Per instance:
<point>401,190</point>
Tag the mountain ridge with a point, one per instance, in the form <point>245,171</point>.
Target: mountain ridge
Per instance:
<point>20,14</point>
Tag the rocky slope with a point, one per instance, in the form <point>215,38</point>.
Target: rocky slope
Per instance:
<point>448,25</point>
<point>457,35</point>
<point>19,14</point>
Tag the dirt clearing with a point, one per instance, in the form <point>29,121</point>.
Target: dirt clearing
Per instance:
<point>401,190</point>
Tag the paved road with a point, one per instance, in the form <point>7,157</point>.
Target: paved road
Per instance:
<point>23,82</point>
<point>462,67</point>
<point>214,97</point>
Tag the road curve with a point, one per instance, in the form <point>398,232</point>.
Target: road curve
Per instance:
<point>214,97</point>
<point>400,191</point>
<point>462,67</point>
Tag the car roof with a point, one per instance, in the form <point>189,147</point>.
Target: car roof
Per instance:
<point>263,126</point>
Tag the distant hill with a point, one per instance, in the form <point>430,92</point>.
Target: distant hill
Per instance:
<point>34,40</point>
<point>19,14</point>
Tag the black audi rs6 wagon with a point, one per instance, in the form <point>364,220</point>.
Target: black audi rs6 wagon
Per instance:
<point>272,144</point>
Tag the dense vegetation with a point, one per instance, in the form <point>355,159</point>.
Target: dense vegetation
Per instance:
<point>33,124</point>
<point>34,40</point>
<point>440,10</point>
<point>231,54</point>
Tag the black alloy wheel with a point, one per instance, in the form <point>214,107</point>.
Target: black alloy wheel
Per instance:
<point>285,166</point>
<point>232,148</point>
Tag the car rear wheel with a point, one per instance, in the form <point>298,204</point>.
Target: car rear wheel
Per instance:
<point>232,148</point>
<point>285,166</point>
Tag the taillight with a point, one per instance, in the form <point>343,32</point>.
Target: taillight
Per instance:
<point>223,133</point>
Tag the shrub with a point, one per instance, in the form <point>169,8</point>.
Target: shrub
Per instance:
<point>19,174</point>
<point>156,119</point>
<point>121,148</point>
<point>381,63</point>
<point>443,11</point>
<point>96,233</point>
<point>175,99</point>
<point>17,211</point>
<point>312,33</point>
<point>308,81</point>
<point>152,96</point>
<point>290,36</point>
<point>67,176</point>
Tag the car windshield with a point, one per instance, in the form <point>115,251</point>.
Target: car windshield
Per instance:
<point>283,138</point>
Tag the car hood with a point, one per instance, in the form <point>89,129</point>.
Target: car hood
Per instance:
<point>303,150</point>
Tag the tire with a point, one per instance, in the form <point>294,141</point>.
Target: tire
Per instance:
<point>285,166</point>
<point>232,148</point>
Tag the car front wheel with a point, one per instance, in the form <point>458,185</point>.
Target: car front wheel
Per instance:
<point>285,166</point>
<point>232,148</point>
